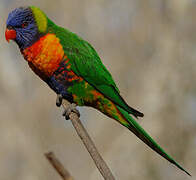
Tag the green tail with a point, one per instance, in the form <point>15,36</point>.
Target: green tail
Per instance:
<point>134,127</point>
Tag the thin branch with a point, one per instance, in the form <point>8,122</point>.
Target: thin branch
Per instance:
<point>90,146</point>
<point>58,166</point>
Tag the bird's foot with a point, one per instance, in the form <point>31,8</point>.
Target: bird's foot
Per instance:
<point>69,109</point>
<point>59,100</point>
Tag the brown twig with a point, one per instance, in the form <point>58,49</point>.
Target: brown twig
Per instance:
<point>58,166</point>
<point>90,146</point>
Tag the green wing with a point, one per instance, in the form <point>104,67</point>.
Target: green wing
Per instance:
<point>86,63</point>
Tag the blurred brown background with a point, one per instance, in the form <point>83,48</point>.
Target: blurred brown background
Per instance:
<point>150,49</point>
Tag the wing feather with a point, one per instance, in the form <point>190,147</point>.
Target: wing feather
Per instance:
<point>86,63</point>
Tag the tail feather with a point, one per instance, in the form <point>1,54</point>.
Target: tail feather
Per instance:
<point>136,113</point>
<point>134,127</point>
<point>131,110</point>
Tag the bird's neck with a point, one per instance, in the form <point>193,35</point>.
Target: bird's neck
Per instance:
<point>45,54</point>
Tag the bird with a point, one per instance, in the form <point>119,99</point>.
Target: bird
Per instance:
<point>71,67</point>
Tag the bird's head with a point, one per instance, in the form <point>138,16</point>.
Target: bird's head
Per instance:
<point>25,25</point>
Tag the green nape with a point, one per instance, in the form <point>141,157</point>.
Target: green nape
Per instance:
<point>134,127</point>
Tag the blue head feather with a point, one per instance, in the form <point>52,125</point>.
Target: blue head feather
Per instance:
<point>23,22</point>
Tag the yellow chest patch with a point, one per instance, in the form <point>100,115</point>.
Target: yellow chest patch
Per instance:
<point>45,54</point>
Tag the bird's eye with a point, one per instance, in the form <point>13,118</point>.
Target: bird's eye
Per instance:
<point>25,24</point>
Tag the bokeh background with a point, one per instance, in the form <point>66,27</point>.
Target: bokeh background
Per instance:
<point>150,49</point>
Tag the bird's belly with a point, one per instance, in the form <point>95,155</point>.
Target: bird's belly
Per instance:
<point>63,79</point>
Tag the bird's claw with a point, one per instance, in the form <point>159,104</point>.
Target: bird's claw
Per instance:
<point>59,100</point>
<point>69,109</point>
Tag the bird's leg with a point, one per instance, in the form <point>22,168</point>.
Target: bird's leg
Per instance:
<point>69,109</point>
<point>59,100</point>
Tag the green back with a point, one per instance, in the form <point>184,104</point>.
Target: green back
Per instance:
<point>86,63</point>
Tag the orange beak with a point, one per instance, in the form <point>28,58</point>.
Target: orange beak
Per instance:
<point>10,34</point>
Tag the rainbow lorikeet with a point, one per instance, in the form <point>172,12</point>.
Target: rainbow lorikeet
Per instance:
<point>72,68</point>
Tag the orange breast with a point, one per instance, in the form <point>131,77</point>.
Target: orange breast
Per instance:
<point>45,54</point>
